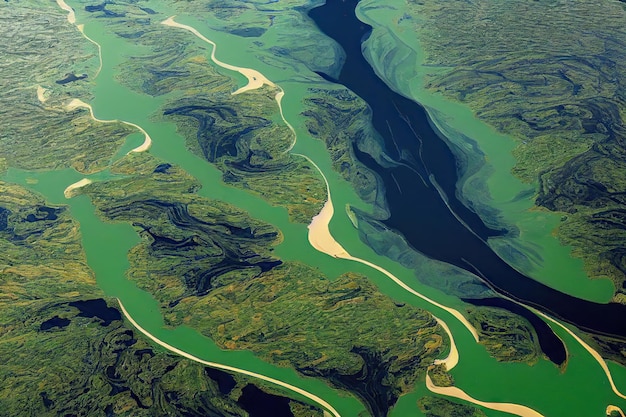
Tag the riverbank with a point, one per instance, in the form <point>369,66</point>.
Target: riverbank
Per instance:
<point>397,56</point>
<point>490,378</point>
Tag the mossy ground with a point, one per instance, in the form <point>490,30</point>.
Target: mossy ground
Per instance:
<point>64,351</point>
<point>211,267</point>
<point>548,74</point>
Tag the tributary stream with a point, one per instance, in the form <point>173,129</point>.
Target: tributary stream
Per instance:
<point>542,387</point>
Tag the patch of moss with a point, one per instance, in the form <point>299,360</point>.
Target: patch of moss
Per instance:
<point>441,407</point>
<point>507,336</point>
<point>66,351</point>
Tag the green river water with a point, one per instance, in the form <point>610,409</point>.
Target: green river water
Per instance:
<point>398,57</point>
<point>581,390</point>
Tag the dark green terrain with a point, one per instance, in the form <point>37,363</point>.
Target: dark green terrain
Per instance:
<point>550,74</point>
<point>211,267</point>
<point>65,350</point>
<point>242,135</point>
<point>37,135</point>
<point>440,407</point>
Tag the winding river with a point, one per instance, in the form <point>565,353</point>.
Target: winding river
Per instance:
<point>512,388</point>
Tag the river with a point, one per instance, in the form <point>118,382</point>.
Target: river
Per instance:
<point>540,387</point>
<point>455,235</point>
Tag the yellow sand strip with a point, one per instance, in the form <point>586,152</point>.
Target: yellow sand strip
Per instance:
<point>81,28</point>
<point>328,408</point>
<point>518,410</point>
<point>78,184</point>
<point>450,362</point>
<point>75,103</point>
<point>255,78</point>
<point>611,408</point>
<point>588,348</point>
<point>71,17</point>
<point>322,240</point>
<point>279,98</point>
<point>41,94</point>
<point>453,357</point>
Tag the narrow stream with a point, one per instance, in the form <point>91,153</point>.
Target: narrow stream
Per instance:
<point>106,246</point>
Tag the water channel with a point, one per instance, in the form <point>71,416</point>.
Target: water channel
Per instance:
<point>543,387</point>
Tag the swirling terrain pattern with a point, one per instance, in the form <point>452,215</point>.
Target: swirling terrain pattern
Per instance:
<point>211,267</point>
<point>523,69</point>
<point>66,351</point>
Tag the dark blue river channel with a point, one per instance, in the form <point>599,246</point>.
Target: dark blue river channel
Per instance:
<point>434,230</point>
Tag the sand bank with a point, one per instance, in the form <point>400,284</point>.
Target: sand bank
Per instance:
<point>71,17</point>
<point>81,28</point>
<point>255,78</point>
<point>322,240</point>
<point>611,408</point>
<point>326,406</point>
<point>450,362</point>
<point>147,142</point>
<point>453,356</point>
<point>516,409</point>
<point>41,94</point>
<point>588,348</point>
<point>279,97</point>
<point>68,193</point>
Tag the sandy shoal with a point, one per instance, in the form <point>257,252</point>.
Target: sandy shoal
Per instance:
<point>68,193</point>
<point>516,409</point>
<point>255,78</point>
<point>325,405</point>
<point>71,17</point>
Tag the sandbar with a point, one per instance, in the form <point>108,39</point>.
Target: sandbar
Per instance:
<point>279,97</point>
<point>611,408</point>
<point>322,240</point>
<point>589,349</point>
<point>41,94</point>
<point>147,142</point>
<point>68,193</point>
<point>516,409</point>
<point>81,28</point>
<point>71,17</point>
<point>75,103</point>
<point>255,78</point>
<point>325,405</point>
<point>453,356</point>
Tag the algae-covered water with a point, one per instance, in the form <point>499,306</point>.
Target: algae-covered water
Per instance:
<point>581,389</point>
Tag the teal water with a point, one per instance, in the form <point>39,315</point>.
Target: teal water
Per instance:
<point>541,386</point>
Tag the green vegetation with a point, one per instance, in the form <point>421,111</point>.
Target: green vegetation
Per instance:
<point>238,136</point>
<point>342,119</point>
<point>441,407</point>
<point>211,267</point>
<point>64,351</point>
<point>507,336</point>
<point>549,74</point>
<point>440,376</point>
<point>36,137</point>
<point>243,135</point>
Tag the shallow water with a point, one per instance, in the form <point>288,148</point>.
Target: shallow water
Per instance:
<point>542,386</point>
